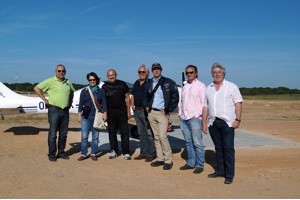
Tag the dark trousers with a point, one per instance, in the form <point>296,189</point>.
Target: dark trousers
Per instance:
<point>121,122</point>
<point>223,138</point>
<point>59,121</point>
<point>147,146</point>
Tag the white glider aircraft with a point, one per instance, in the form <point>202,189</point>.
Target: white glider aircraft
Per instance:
<point>13,103</point>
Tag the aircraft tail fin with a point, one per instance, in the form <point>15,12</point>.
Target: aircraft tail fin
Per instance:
<point>6,93</point>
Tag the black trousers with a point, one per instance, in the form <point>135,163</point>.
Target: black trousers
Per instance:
<point>116,122</point>
<point>223,138</point>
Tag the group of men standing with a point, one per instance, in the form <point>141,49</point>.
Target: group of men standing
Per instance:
<point>216,108</point>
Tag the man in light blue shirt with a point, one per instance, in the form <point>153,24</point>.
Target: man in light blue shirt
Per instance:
<point>159,104</point>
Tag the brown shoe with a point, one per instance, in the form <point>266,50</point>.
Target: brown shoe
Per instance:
<point>140,157</point>
<point>94,158</point>
<point>149,159</point>
<point>81,158</point>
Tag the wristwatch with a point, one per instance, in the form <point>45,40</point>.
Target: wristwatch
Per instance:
<point>238,120</point>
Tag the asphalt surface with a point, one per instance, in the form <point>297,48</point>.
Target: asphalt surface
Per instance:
<point>177,141</point>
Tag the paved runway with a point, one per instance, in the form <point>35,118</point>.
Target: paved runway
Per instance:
<point>177,141</point>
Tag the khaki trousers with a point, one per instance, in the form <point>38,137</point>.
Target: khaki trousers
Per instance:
<point>159,124</point>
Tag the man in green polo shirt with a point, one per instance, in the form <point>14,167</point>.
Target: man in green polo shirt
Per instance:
<point>60,95</point>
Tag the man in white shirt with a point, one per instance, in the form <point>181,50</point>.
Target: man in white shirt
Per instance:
<point>221,114</point>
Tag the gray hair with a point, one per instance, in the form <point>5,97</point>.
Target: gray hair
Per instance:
<point>217,65</point>
<point>146,68</point>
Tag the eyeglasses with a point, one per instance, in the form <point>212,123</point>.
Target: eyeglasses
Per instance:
<point>189,72</point>
<point>141,72</point>
<point>92,80</point>
<point>59,71</point>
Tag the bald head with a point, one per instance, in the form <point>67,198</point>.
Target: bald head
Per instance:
<point>111,75</point>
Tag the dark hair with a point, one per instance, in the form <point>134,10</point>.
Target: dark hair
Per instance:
<point>94,75</point>
<point>193,66</point>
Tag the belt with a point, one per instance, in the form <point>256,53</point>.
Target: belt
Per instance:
<point>59,108</point>
<point>138,108</point>
<point>155,109</point>
<point>217,118</point>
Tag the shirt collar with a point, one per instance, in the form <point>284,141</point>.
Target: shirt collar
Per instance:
<point>157,79</point>
<point>55,78</point>
<point>223,83</point>
<point>186,82</point>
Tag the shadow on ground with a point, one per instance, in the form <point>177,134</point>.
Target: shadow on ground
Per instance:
<point>31,130</point>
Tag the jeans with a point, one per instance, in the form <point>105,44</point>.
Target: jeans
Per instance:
<point>121,122</point>
<point>86,127</point>
<point>58,121</point>
<point>192,133</point>
<point>146,139</point>
<point>223,138</point>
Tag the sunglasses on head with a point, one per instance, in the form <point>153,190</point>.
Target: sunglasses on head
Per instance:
<point>189,72</point>
<point>142,72</point>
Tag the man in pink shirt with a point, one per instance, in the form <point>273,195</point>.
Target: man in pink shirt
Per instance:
<point>190,119</point>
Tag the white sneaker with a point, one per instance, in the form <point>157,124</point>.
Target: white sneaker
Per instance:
<point>112,154</point>
<point>127,157</point>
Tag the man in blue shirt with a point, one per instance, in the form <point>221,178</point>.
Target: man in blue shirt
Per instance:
<point>159,102</point>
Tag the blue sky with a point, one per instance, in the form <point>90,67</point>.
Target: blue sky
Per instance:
<point>258,41</point>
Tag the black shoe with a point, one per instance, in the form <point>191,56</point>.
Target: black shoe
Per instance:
<point>52,158</point>
<point>198,170</point>
<point>168,166</point>
<point>228,181</point>
<point>185,167</point>
<point>215,175</point>
<point>63,156</point>
<point>157,163</point>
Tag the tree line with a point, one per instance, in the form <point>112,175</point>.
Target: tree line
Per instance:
<point>267,91</point>
<point>28,87</point>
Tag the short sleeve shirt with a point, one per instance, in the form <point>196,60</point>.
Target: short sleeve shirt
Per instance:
<point>138,91</point>
<point>58,91</point>
<point>115,97</point>
<point>221,103</point>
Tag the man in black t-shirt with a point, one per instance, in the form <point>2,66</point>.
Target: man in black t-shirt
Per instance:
<point>118,113</point>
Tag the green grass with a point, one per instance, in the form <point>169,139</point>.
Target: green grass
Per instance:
<point>282,97</point>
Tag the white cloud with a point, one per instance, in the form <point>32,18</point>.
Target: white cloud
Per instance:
<point>121,28</point>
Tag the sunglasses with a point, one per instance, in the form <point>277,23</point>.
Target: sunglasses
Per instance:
<point>142,72</point>
<point>156,68</point>
<point>189,72</point>
<point>59,71</point>
<point>92,80</point>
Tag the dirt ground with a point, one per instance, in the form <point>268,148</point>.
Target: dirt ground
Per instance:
<point>261,172</point>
